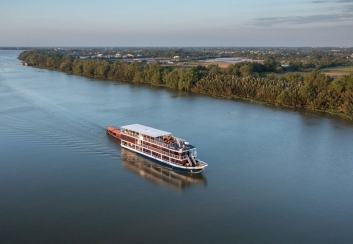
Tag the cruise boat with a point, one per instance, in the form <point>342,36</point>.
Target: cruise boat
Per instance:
<point>160,146</point>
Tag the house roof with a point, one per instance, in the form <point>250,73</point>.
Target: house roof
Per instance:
<point>146,130</point>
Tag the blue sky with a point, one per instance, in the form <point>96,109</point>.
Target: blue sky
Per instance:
<point>176,23</point>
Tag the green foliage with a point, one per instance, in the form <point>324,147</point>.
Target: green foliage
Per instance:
<point>245,70</point>
<point>317,80</point>
<point>232,70</point>
<point>88,67</point>
<point>172,79</point>
<point>343,83</point>
<point>187,79</point>
<point>153,73</point>
<point>294,77</point>
<point>66,64</point>
<point>101,69</point>
<point>307,92</point>
<point>315,90</point>
<point>77,67</point>
<point>272,65</point>
<point>214,69</point>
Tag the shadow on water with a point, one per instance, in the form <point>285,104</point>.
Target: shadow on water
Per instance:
<point>156,173</point>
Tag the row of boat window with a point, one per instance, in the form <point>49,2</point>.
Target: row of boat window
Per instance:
<point>153,146</point>
<point>152,153</point>
<point>180,157</point>
<point>132,133</point>
<point>170,146</point>
<point>159,141</point>
<point>112,132</point>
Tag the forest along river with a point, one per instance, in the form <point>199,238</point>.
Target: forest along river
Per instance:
<point>275,175</point>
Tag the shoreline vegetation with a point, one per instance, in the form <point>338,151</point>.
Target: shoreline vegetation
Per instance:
<point>314,90</point>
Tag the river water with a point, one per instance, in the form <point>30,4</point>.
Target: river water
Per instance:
<point>275,175</point>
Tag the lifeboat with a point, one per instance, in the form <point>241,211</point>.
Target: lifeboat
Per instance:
<point>114,131</point>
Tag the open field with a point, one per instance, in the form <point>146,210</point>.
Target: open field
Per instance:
<point>338,71</point>
<point>203,63</point>
<point>225,63</point>
<point>219,63</point>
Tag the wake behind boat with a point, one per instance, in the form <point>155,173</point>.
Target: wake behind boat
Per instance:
<point>160,146</point>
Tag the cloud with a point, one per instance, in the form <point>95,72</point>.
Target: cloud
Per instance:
<point>348,9</point>
<point>346,14</point>
<point>335,1</point>
<point>295,20</point>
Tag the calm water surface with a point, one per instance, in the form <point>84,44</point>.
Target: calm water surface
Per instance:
<point>274,176</point>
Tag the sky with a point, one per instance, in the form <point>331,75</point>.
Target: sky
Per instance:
<point>181,23</point>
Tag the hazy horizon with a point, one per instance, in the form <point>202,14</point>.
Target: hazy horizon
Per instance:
<point>172,47</point>
<point>254,23</point>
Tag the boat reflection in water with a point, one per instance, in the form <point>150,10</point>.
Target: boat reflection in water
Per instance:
<point>154,172</point>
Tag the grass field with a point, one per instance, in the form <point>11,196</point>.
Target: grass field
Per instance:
<point>203,63</point>
<point>338,71</point>
<point>219,63</point>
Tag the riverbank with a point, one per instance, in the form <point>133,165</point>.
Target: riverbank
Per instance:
<point>314,91</point>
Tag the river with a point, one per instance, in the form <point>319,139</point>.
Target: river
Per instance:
<point>275,175</point>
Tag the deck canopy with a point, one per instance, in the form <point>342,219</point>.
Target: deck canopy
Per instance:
<point>146,130</point>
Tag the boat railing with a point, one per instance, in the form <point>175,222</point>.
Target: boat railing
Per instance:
<point>141,149</point>
<point>160,142</point>
<point>166,153</point>
<point>199,163</point>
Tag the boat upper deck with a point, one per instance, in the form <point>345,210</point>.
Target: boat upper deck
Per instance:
<point>158,137</point>
<point>145,130</point>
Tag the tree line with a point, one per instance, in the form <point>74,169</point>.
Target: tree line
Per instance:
<point>315,90</point>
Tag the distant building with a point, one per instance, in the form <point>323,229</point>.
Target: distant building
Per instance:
<point>128,56</point>
<point>28,64</point>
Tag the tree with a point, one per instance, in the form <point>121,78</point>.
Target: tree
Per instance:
<point>77,67</point>
<point>88,67</point>
<point>232,70</point>
<point>172,79</point>
<point>343,83</point>
<point>187,79</point>
<point>214,69</point>
<point>296,77</point>
<point>245,70</point>
<point>317,80</point>
<point>271,64</point>
<point>153,73</point>
<point>101,69</point>
<point>66,64</point>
